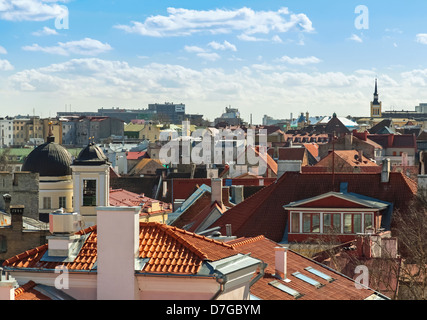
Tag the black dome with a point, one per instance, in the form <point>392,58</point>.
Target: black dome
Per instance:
<point>92,155</point>
<point>49,159</point>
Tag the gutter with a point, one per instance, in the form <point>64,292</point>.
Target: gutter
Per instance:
<point>260,275</point>
<point>222,280</point>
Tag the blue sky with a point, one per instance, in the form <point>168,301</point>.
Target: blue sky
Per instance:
<point>264,57</point>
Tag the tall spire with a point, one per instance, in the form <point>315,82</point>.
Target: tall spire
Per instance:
<point>375,102</point>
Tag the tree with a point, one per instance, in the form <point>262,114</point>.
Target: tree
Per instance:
<point>4,159</point>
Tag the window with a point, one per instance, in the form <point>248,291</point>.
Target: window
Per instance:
<point>303,277</point>
<point>311,222</point>
<point>286,289</point>
<point>47,203</point>
<point>62,202</point>
<point>319,274</point>
<point>369,221</point>
<point>295,222</point>
<point>352,223</point>
<point>89,192</point>
<point>331,222</point>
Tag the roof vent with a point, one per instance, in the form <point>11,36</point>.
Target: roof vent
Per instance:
<point>61,222</point>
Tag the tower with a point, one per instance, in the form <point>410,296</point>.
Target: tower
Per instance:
<point>375,104</point>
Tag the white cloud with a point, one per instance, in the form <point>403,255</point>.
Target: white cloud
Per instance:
<point>3,50</point>
<point>356,38</point>
<point>184,22</point>
<point>45,32</point>
<point>5,65</point>
<point>31,10</point>
<point>211,56</point>
<point>86,46</point>
<point>421,38</point>
<point>299,61</point>
<point>224,46</point>
<point>194,49</point>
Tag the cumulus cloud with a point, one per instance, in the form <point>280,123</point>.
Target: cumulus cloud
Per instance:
<point>5,65</point>
<point>224,46</point>
<point>185,22</point>
<point>31,10</point>
<point>86,46</point>
<point>421,38</point>
<point>45,32</point>
<point>299,61</point>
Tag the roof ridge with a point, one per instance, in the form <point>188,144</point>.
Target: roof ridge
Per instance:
<point>25,287</point>
<point>248,240</point>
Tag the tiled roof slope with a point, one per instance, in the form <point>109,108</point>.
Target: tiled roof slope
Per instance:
<point>342,288</point>
<point>28,292</point>
<point>169,250</point>
<point>263,212</point>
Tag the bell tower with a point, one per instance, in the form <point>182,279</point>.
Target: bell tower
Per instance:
<point>375,104</point>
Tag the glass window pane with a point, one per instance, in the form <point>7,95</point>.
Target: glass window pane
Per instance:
<point>316,222</point>
<point>295,222</point>
<point>369,221</point>
<point>357,223</point>
<point>327,222</point>
<point>337,222</point>
<point>89,192</point>
<point>306,222</point>
<point>347,223</point>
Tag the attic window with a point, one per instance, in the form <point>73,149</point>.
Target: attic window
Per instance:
<point>286,289</point>
<point>303,277</point>
<point>319,274</point>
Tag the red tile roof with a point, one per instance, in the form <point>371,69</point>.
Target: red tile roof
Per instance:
<point>27,292</point>
<point>121,197</point>
<point>263,213</point>
<point>169,249</point>
<point>135,155</point>
<point>342,288</point>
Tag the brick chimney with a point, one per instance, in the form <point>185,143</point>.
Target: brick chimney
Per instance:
<point>16,213</point>
<point>7,199</point>
<point>216,191</point>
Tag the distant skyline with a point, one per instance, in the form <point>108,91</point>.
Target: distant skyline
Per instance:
<point>263,57</point>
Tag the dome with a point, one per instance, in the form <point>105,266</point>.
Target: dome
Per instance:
<point>92,155</point>
<point>49,159</point>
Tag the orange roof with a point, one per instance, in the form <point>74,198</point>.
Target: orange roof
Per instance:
<point>27,292</point>
<point>121,197</point>
<point>169,250</point>
<point>342,288</point>
<point>350,158</point>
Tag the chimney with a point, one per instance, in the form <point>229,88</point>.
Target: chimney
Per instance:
<point>118,243</point>
<point>288,165</point>
<point>237,194</point>
<point>348,141</point>
<point>7,286</point>
<point>7,199</point>
<point>281,263</point>
<point>228,230</point>
<point>216,190</point>
<point>63,227</point>
<point>16,213</point>
<point>385,173</point>
<point>360,154</point>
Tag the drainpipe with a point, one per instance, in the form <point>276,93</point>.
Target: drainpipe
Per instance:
<point>222,280</point>
<point>260,275</point>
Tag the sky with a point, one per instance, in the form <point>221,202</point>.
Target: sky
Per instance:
<point>270,57</point>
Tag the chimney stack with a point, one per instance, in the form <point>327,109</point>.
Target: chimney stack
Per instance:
<point>216,190</point>
<point>118,243</point>
<point>16,213</point>
<point>280,263</point>
<point>385,173</point>
<point>237,194</point>
<point>7,286</point>
<point>7,199</point>
<point>288,165</point>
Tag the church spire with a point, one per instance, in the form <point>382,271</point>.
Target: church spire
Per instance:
<point>375,102</point>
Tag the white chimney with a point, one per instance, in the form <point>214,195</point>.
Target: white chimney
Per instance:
<point>7,286</point>
<point>288,165</point>
<point>63,227</point>
<point>385,173</point>
<point>117,246</point>
<point>216,190</point>
<point>281,263</point>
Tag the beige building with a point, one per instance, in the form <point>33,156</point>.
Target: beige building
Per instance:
<point>148,131</point>
<point>28,131</point>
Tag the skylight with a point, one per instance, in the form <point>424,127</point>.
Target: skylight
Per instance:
<point>286,289</point>
<point>319,274</point>
<point>303,277</point>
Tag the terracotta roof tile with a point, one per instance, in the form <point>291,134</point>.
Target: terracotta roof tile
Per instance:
<point>169,249</point>
<point>27,292</point>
